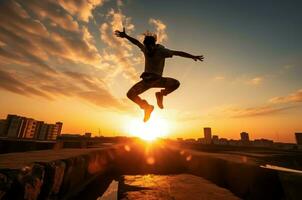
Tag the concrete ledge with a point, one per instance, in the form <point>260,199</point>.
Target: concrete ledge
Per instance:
<point>51,174</point>
<point>63,173</point>
<point>167,187</point>
<point>246,180</point>
<point>240,174</point>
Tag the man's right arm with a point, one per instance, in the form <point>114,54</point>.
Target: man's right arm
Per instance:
<point>123,34</point>
<point>187,55</point>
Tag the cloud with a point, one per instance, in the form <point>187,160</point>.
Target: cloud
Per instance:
<point>45,52</point>
<point>160,28</point>
<point>10,83</point>
<point>219,78</point>
<point>69,84</point>
<point>81,8</point>
<point>256,111</point>
<point>32,41</point>
<point>274,105</point>
<point>48,50</point>
<point>119,50</point>
<point>255,81</point>
<point>295,97</point>
<point>51,10</point>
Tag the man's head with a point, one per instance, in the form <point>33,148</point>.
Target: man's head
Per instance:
<point>150,41</point>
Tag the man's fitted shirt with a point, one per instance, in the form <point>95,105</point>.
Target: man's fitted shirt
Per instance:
<point>156,62</point>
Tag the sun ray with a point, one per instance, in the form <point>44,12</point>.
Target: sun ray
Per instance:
<point>156,127</point>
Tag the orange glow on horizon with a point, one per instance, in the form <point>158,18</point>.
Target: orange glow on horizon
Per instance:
<point>155,128</point>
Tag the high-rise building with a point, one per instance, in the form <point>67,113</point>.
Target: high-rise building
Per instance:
<point>14,125</point>
<point>29,128</point>
<point>298,138</point>
<point>244,137</point>
<point>59,126</point>
<point>42,135</point>
<point>50,130</point>
<point>54,130</point>
<point>38,129</point>
<point>207,135</point>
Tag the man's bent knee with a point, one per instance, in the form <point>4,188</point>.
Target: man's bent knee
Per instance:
<point>176,84</point>
<point>172,85</point>
<point>131,95</point>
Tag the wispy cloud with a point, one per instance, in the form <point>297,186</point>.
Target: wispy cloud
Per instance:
<point>48,49</point>
<point>12,84</point>
<point>257,111</point>
<point>45,52</point>
<point>219,78</point>
<point>273,106</point>
<point>255,81</point>
<point>81,8</point>
<point>160,28</point>
<point>119,50</point>
<point>295,97</point>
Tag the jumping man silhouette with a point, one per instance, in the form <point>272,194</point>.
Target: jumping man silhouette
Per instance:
<point>155,55</point>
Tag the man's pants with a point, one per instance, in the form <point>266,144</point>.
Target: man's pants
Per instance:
<point>169,85</point>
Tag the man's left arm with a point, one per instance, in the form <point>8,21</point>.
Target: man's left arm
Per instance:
<point>187,55</point>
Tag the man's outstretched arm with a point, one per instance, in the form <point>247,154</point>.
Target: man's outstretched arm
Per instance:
<point>123,34</point>
<point>187,55</point>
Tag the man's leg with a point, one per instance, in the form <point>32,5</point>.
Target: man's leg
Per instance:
<point>169,85</point>
<point>133,93</point>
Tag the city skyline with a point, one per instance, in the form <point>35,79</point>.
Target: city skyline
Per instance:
<point>21,127</point>
<point>61,61</point>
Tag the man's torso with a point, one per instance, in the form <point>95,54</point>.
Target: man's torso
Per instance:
<point>155,62</point>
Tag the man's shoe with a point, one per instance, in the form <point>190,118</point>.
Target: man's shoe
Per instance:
<point>148,110</point>
<point>159,98</point>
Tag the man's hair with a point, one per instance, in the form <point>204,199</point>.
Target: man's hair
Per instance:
<point>150,38</point>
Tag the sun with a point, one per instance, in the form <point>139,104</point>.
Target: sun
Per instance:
<point>156,127</point>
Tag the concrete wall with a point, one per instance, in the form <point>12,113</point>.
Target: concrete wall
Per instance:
<point>242,176</point>
<point>9,146</point>
<point>67,172</point>
<point>58,178</point>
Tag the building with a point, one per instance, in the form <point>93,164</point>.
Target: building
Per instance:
<point>215,139</point>
<point>223,141</point>
<point>15,124</point>
<point>298,138</point>
<point>38,129</point>
<point>29,128</point>
<point>50,129</point>
<point>263,142</point>
<point>234,142</point>
<point>200,140</point>
<point>42,134</point>
<point>54,130</point>
<point>87,135</point>
<point>244,137</point>
<point>59,126</point>
<point>191,140</point>
<point>3,128</point>
<point>207,135</point>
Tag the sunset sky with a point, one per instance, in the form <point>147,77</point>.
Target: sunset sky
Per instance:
<point>59,61</point>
